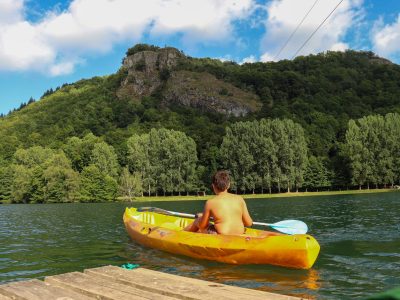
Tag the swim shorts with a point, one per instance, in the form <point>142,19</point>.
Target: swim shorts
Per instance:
<point>211,229</point>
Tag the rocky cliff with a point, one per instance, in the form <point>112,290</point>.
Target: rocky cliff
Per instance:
<point>155,71</point>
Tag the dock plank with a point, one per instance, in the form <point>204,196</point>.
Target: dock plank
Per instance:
<point>101,288</point>
<point>38,290</point>
<point>111,282</point>
<point>2,297</point>
<point>180,287</point>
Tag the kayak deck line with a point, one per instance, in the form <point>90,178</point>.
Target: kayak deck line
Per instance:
<point>111,282</point>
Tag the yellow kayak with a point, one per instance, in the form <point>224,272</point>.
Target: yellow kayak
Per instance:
<point>253,247</point>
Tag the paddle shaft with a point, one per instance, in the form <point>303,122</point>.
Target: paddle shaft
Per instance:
<point>277,226</point>
<point>194,216</point>
<point>269,225</point>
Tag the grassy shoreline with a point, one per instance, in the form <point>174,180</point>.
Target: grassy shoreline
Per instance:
<point>246,196</point>
<point>261,196</point>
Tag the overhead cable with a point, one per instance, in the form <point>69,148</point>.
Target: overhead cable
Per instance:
<point>294,32</point>
<point>309,38</point>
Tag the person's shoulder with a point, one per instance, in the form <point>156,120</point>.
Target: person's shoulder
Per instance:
<point>236,197</point>
<point>210,201</point>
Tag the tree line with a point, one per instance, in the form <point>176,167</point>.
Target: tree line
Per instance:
<point>87,169</point>
<point>373,149</point>
<point>264,156</point>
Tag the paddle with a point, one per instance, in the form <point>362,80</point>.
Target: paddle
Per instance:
<point>287,226</point>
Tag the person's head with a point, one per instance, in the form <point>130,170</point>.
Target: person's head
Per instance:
<point>221,181</point>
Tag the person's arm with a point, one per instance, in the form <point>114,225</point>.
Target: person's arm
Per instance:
<point>205,218</point>
<point>247,220</point>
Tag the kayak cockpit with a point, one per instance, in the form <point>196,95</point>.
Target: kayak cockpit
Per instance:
<point>179,223</point>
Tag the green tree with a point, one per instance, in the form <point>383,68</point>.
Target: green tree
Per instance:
<point>389,156</point>
<point>79,151</point>
<point>6,179</point>
<point>236,155</point>
<point>21,186</point>
<point>283,170</point>
<point>374,136</point>
<point>139,159</point>
<point>104,158</point>
<point>316,174</point>
<point>96,186</point>
<point>61,181</point>
<point>166,160</point>
<point>263,153</point>
<point>356,152</point>
<point>28,182</point>
<point>299,153</point>
<point>130,185</point>
<point>41,175</point>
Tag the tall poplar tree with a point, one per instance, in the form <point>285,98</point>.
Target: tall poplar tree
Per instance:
<point>166,159</point>
<point>264,154</point>
<point>355,149</point>
<point>103,156</point>
<point>373,147</point>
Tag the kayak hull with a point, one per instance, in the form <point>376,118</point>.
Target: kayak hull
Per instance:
<point>254,247</point>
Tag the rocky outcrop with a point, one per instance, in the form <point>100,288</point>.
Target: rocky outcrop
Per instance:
<point>153,61</point>
<point>151,71</point>
<point>144,71</point>
<point>380,61</point>
<point>206,93</point>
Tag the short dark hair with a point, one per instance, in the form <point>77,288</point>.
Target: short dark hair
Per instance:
<point>221,180</point>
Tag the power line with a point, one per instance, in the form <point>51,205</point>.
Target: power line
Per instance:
<point>294,32</point>
<point>309,38</point>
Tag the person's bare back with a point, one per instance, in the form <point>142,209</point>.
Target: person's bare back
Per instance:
<point>228,211</point>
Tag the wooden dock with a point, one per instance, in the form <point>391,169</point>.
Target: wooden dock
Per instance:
<point>112,282</point>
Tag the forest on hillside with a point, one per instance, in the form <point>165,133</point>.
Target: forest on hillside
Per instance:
<point>327,121</point>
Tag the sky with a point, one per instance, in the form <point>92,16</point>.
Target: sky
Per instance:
<point>46,43</point>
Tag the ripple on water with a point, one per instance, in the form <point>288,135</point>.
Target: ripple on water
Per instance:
<point>359,237</point>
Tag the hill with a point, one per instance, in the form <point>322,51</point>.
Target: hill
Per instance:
<point>164,88</point>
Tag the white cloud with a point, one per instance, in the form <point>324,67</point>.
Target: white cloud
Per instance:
<point>11,11</point>
<point>339,47</point>
<point>205,19</point>
<point>386,38</point>
<point>228,57</point>
<point>285,15</point>
<point>62,68</point>
<point>225,58</point>
<point>89,26</point>
<point>266,57</point>
<point>249,59</point>
<point>22,47</point>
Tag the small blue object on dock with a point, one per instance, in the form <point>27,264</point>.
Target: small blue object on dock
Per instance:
<point>129,266</point>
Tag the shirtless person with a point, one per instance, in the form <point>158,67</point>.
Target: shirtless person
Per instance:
<point>229,211</point>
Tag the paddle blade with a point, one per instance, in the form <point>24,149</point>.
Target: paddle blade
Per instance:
<point>290,227</point>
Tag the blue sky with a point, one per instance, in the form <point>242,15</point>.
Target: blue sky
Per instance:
<point>45,43</point>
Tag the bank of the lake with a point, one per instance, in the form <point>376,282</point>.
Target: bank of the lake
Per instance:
<point>262,196</point>
<point>245,196</point>
<point>359,236</point>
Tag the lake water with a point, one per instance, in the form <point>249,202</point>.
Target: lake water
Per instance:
<point>359,237</point>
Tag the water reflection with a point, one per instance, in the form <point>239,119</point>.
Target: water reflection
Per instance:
<point>359,238</point>
<point>299,283</point>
